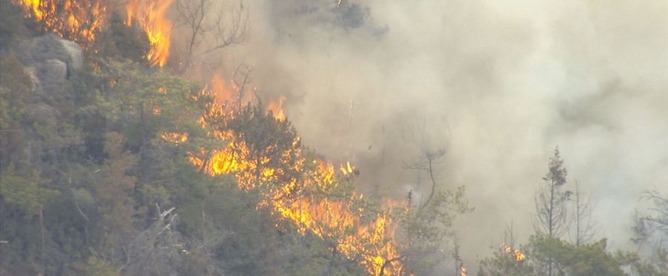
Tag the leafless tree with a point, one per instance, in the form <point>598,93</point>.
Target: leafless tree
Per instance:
<point>651,229</point>
<point>156,250</point>
<point>652,226</point>
<point>426,163</point>
<point>161,249</point>
<point>240,80</point>
<point>660,210</point>
<point>583,223</point>
<point>209,26</point>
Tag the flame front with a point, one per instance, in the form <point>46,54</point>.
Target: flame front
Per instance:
<point>152,17</point>
<point>371,243</point>
<point>81,20</point>
<point>76,20</point>
<point>307,203</point>
<point>304,201</point>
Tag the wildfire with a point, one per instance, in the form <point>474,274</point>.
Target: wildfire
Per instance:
<point>151,16</point>
<point>81,20</point>
<point>369,242</point>
<point>348,170</point>
<point>517,254</point>
<point>316,201</point>
<point>221,93</point>
<point>175,137</point>
<point>224,96</point>
<point>76,20</point>
<point>301,197</point>
<point>276,108</point>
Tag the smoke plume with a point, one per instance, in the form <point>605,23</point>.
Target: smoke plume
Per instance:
<point>497,85</point>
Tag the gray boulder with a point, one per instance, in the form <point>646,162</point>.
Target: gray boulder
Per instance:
<point>52,71</point>
<point>49,47</point>
<point>51,60</point>
<point>43,48</point>
<point>75,53</point>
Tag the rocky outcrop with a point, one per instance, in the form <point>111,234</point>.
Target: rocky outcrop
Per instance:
<point>75,54</point>
<point>51,60</point>
<point>52,71</point>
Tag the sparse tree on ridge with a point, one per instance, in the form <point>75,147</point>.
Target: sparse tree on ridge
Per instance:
<point>551,199</point>
<point>551,203</point>
<point>430,225</point>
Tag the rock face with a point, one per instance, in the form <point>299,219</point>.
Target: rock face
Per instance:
<point>45,47</point>
<point>75,53</point>
<point>52,71</point>
<point>52,60</point>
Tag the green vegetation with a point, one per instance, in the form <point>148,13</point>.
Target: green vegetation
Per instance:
<point>547,253</point>
<point>92,183</point>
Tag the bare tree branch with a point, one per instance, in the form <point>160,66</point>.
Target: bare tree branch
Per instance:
<point>425,162</point>
<point>209,26</point>
<point>585,226</point>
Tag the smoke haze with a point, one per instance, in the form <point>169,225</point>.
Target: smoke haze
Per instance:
<point>497,84</point>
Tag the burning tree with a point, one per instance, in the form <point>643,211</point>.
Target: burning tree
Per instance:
<point>82,21</point>
<point>157,119</point>
<point>152,17</point>
<point>78,20</point>
<point>265,156</point>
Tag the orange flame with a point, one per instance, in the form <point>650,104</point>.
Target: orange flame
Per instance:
<point>219,90</point>
<point>34,6</point>
<point>305,202</point>
<point>152,18</point>
<point>517,254</point>
<point>370,242</point>
<point>224,95</point>
<point>76,20</point>
<point>276,108</point>
<point>175,137</point>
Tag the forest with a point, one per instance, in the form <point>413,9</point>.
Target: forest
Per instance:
<point>123,154</point>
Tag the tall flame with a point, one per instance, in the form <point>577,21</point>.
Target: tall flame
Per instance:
<point>81,20</point>
<point>219,90</point>
<point>276,108</point>
<point>151,16</point>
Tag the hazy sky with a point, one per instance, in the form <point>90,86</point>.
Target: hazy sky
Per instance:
<point>497,84</point>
